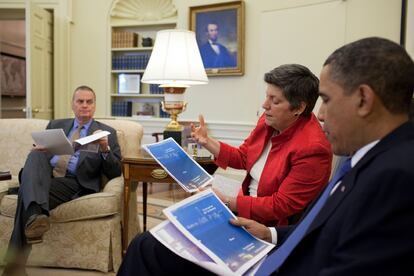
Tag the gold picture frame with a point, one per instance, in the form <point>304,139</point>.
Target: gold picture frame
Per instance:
<point>219,30</point>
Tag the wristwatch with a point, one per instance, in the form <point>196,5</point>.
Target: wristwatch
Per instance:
<point>227,203</point>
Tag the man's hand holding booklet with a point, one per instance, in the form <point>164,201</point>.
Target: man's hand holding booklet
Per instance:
<point>198,227</point>
<point>198,230</point>
<point>56,142</point>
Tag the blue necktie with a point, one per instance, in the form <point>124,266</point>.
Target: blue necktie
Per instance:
<point>277,258</point>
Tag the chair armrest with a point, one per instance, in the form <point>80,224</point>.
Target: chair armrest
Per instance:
<point>115,185</point>
<point>6,184</point>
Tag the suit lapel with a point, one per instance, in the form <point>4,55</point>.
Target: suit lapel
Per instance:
<point>403,133</point>
<point>67,126</point>
<point>93,127</point>
<point>341,192</point>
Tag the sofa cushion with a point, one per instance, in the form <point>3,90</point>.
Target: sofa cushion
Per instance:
<point>86,207</point>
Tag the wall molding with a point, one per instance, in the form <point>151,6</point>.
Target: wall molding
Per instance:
<point>233,133</point>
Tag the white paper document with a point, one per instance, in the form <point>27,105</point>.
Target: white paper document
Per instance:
<point>177,242</point>
<point>179,165</point>
<point>93,137</point>
<point>227,186</point>
<point>199,231</point>
<point>56,142</point>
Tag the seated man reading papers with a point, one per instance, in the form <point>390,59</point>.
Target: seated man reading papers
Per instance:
<point>49,180</point>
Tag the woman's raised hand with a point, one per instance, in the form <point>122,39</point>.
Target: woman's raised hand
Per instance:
<point>199,133</point>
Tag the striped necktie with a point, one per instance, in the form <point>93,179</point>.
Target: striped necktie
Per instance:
<point>277,258</point>
<point>62,164</point>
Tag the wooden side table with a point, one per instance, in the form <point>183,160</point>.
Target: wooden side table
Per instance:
<point>145,169</point>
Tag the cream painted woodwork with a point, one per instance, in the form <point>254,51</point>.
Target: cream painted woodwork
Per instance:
<point>143,10</point>
<point>39,66</point>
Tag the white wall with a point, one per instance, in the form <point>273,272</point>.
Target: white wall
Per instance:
<point>84,58</point>
<point>237,98</point>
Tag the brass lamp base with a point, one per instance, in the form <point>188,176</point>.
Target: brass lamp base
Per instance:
<point>174,105</point>
<point>173,124</point>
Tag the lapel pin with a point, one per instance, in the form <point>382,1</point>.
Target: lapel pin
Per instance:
<point>343,188</point>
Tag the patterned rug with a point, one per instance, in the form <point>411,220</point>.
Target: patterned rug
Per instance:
<point>154,212</point>
<point>160,196</point>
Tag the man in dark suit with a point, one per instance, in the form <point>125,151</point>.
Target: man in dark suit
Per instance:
<point>362,224</point>
<point>214,54</point>
<point>47,180</point>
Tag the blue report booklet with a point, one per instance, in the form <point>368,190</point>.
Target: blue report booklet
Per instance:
<point>204,220</point>
<point>179,165</point>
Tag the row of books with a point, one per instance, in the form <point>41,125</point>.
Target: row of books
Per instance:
<point>123,108</point>
<point>123,39</point>
<point>163,114</point>
<point>155,89</point>
<point>130,62</point>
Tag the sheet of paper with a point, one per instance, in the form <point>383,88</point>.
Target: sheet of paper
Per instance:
<point>204,220</point>
<point>54,140</point>
<point>226,186</point>
<point>93,137</point>
<point>179,165</point>
<point>173,239</point>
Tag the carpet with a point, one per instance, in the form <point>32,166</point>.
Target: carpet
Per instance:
<point>160,196</point>
<point>154,210</point>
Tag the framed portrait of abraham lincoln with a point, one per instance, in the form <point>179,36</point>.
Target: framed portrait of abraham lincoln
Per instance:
<point>219,30</point>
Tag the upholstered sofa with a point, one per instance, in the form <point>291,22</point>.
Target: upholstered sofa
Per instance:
<point>86,232</point>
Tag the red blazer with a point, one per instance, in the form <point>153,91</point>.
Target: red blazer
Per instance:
<point>296,170</point>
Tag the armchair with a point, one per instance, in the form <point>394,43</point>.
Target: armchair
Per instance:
<point>85,232</point>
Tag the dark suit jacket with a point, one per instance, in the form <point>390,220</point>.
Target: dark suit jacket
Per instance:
<point>367,225</point>
<point>91,166</point>
<point>212,60</point>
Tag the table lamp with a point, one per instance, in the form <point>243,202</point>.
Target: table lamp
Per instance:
<point>175,64</point>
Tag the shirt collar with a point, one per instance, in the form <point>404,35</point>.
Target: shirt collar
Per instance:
<point>86,126</point>
<point>361,152</point>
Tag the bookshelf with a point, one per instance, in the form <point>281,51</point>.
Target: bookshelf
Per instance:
<point>130,53</point>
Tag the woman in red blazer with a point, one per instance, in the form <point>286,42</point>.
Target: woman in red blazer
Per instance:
<point>287,156</point>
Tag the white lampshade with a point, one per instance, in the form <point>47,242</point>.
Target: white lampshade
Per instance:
<point>175,60</point>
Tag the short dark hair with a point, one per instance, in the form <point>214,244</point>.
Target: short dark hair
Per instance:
<point>84,87</point>
<point>298,84</point>
<point>211,23</point>
<point>380,63</point>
